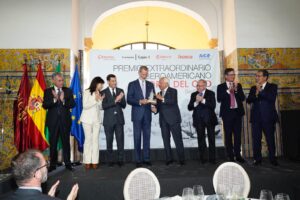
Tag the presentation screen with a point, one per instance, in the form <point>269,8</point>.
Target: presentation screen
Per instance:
<point>183,68</point>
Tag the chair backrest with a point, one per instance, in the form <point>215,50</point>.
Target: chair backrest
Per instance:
<point>141,184</point>
<point>231,178</point>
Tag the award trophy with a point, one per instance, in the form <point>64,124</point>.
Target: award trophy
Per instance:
<point>151,98</point>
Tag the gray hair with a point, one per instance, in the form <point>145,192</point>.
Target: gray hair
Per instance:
<point>204,81</point>
<point>165,79</point>
<point>55,74</point>
<point>24,166</point>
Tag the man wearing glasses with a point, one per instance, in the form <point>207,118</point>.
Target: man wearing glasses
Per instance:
<point>264,116</point>
<point>231,96</point>
<point>29,170</point>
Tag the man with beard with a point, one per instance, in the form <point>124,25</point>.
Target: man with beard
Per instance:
<point>29,170</point>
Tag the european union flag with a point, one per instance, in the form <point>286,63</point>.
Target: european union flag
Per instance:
<point>76,129</point>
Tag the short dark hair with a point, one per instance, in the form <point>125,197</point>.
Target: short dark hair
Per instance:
<point>143,67</point>
<point>55,74</point>
<point>109,76</point>
<point>94,84</point>
<point>24,166</point>
<point>227,70</point>
<point>264,72</point>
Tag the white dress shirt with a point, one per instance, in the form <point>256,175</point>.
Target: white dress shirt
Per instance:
<point>203,100</point>
<point>264,85</point>
<point>143,87</point>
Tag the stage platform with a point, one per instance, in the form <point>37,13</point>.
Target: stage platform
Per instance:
<point>106,183</point>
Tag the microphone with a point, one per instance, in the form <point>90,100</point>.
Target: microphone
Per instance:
<point>200,94</point>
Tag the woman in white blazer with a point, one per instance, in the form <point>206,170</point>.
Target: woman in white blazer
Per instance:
<point>91,119</point>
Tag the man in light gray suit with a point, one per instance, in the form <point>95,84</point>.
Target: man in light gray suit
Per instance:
<point>113,120</point>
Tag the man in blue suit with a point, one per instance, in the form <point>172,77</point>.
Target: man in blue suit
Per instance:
<point>263,115</point>
<point>141,114</point>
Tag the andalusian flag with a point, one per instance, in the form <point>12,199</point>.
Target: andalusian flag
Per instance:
<point>58,67</point>
<point>36,113</point>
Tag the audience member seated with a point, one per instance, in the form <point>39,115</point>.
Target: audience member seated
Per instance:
<point>29,170</point>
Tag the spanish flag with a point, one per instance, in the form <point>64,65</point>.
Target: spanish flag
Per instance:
<point>36,113</point>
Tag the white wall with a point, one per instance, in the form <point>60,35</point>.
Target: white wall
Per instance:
<point>35,24</point>
<point>268,23</point>
<point>75,27</point>
<point>229,26</point>
<point>210,10</point>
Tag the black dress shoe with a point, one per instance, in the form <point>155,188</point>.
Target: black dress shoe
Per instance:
<point>203,161</point>
<point>110,164</point>
<point>120,163</point>
<point>240,159</point>
<point>70,168</point>
<point>138,165</point>
<point>274,162</point>
<point>169,162</point>
<point>147,163</point>
<point>51,168</point>
<point>257,162</point>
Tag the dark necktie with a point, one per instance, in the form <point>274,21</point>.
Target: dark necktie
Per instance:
<point>58,94</point>
<point>114,94</point>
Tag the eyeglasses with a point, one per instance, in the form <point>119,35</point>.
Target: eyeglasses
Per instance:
<point>45,165</point>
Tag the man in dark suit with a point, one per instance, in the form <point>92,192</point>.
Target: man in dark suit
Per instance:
<point>169,120</point>
<point>58,100</point>
<point>263,117</point>
<point>231,96</point>
<point>29,170</point>
<point>141,115</point>
<point>113,121</point>
<point>203,104</point>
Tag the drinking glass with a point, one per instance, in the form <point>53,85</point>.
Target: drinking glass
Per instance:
<point>266,195</point>
<point>187,194</point>
<point>282,196</point>
<point>198,192</point>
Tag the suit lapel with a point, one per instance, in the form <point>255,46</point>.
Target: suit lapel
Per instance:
<point>108,93</point>
<point>225,86</point>
<point>167,92</point>
<point>267,86</point>
<point>147,89</point>
<point>206,94</point>
<point>140,87</point>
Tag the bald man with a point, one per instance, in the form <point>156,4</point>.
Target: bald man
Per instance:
<point>169,120</point>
